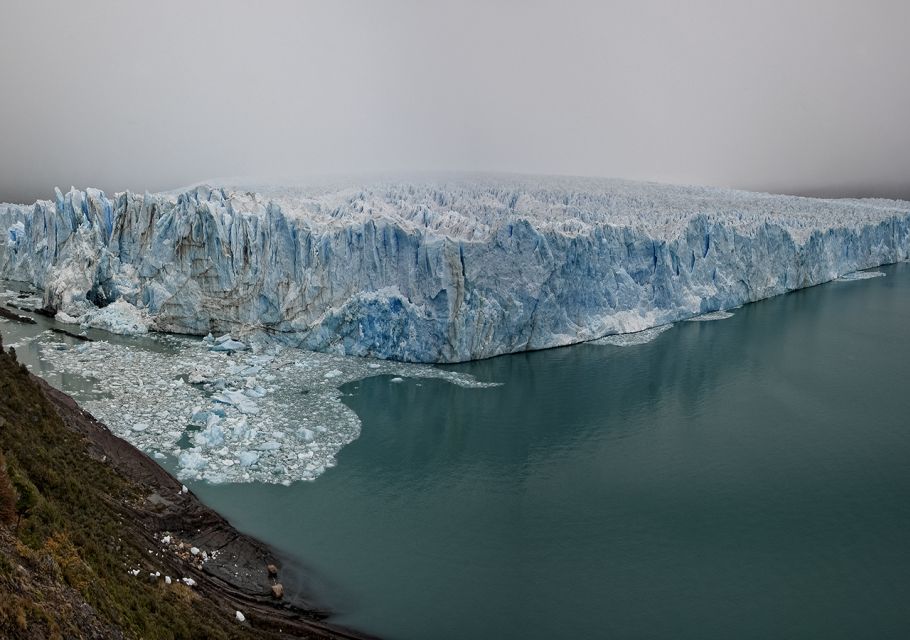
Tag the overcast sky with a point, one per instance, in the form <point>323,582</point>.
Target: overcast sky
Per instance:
<point>809,96</point>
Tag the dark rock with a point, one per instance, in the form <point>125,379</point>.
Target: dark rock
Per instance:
<point>9,315</point>
<point>71,334</point>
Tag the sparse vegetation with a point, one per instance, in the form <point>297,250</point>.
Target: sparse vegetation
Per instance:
<point>8,497</point>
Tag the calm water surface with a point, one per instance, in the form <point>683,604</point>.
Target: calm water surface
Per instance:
<point>745,478</point>
<point>742,478</point>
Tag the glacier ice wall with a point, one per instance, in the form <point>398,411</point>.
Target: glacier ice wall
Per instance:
<point>437,269</point>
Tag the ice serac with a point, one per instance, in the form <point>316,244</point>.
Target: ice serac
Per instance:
<point>437,269</point>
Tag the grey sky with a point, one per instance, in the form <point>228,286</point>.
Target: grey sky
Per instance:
<point>807,96</point>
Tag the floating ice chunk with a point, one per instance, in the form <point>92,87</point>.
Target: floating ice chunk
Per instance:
<point>211,436</point>
<point>221,339</point>
<point>239,400</point>
<point>200,375</point>
<point>229,345</point>
<point>140,426</point>
<point>118,317</point>
<point>305,434</point>
<point>334,373</point>
<point>268,446</point>
<point>248,407</point>
<point>65,318</point>
<point>633,339</point>
<point>248,458</point>
<point>396,379</point>
<point>192,460</point>
<point>241,429</point>
<point>255,392</point>
<point>200,419</point>
<point>714,315</point>
<point>209,338</point>
<point>860,275</point>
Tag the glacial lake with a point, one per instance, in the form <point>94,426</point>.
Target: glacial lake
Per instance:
<point>739,478</point>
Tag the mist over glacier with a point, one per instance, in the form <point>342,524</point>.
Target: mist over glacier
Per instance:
<point>435,268</point>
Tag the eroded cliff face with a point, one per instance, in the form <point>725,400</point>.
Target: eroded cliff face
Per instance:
<point>440,270</point>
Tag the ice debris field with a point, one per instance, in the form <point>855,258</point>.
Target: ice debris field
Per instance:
<point>433,268</point>
<point>222,412</point>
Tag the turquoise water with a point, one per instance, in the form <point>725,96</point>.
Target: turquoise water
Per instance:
<point>741,478</point>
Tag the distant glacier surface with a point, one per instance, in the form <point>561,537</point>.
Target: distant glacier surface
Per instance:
<point>433,268</point>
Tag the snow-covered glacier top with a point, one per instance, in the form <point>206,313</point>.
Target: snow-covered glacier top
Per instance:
<point>473,206</point>
<point>434,268</point>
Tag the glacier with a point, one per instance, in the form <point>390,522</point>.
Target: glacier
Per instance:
<point>433,268</point>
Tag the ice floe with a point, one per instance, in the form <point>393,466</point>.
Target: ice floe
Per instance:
<point>228,416</point>
<point>860,275</point>
<point>632,339</point>
<point>714,315</point>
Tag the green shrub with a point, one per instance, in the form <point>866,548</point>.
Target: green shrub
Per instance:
<point>8,496</point>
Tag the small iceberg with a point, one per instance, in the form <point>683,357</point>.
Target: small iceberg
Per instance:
<point>199,419</point>
<point>248,458</point>
<point>228,345</point>
<point>118,317</point>
<point>211,436</point>
<point>860,275</point>
<point>192,460</point>
<point>239,400</point>
<point>714,315</point>
<point>632,339</point>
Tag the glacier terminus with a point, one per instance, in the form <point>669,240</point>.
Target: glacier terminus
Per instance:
<point>433,268</point>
